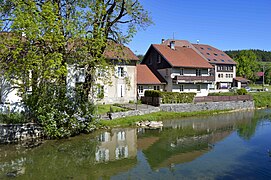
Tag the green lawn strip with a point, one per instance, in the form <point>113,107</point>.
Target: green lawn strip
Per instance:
<point>157,116</point>
<point>105,108</point>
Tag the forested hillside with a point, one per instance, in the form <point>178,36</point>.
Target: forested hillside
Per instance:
<point>264,56</point>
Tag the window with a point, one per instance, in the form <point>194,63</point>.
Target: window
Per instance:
<point>208,54</point>
<point>231,67</point>
<point>209,49</point>
<point>202,48</point>
<point>120,72</point>
<point>140,89</point>
<point>156,88</point>
<point>181,87</point>
<point>181,72</point>
<point>159,58</point>
<point>215,60</point>
<point>215,54</point>
<point>209,59</point>
<point>227,75</point>
<point>198,87</point>
<point>222,60</point>
<point>231,75</point>
<point>198,72</point>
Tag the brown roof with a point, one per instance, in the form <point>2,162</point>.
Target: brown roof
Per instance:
<point>213,55</point>
<point>120,52</point>
<point>241,79</point>
<point>146,76</point>
<point>182,56</point>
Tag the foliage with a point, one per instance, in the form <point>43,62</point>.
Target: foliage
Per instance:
<point>262,55</point>
<point>262,99</point>
<point>152,93</point>
<point>14,118</point>
<point>241,91</point>
<point>247,65</point>
<point>40,38</point>
<point>171,97</point>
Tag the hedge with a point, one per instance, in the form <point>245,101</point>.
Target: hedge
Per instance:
<point>171,97</point>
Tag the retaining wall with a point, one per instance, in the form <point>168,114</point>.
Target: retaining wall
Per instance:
<point>10,133</point>
<point>134,112</point>
<point>190,107</point>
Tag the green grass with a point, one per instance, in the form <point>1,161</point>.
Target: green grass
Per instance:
<point>261,99</point>
<point>104,108</point>
<point>157,116</point>
<point>259,86</point>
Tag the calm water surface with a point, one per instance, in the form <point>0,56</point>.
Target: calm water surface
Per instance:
<point>225,146</point>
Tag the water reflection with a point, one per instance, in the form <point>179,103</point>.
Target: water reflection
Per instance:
<point>116,144</point>
<point>129,152</point>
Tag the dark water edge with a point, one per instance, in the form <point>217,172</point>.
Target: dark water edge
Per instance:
<point>224,146</point>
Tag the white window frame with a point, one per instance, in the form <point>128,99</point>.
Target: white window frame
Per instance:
<point>198,72</point>
<point>140,89</point>
<point>156,88</point>
<point>198,87</point>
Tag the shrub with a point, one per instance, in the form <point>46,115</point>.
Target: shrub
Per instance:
<point>241,91</point>
<point>152,93</point>
<point>171,97</point>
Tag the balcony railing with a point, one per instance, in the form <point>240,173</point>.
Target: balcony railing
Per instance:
<point>193,79</point>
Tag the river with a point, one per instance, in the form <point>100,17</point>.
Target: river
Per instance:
<point>223,146</point>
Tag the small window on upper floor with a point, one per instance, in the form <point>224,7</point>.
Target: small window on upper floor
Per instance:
<point>215,60</point>
<point>215,54</point>
<point>120,72</point>
<point>210,49</point>
<point>209,59</point>
<point>208,54</point>
<point>222,60</point>
<point>202,48</point>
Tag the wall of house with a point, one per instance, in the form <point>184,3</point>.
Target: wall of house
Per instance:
<point>120,89</point>
<point>223,76</point>
<point>188,72</point>
<point>165,73</point>
<point>191,88</point>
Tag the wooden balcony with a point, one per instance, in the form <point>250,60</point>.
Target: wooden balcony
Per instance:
<point>193,79</point>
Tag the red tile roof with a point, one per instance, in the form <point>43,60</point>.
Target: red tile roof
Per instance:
<point>213,55</point>
<point>241,79</point>
<point>120,52</point>
<point>182,56</point>
<point>146,76</point>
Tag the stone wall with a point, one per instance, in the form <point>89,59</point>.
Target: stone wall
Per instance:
<point>10,133</point>
<point>134,112</point>
<point>190,107</point>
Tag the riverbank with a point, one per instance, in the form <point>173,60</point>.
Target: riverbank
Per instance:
<point>156,116</point>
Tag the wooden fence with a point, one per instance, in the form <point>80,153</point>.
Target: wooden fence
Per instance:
<point>222,98</point>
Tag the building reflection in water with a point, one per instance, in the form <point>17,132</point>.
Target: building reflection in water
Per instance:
<point>116,144</point>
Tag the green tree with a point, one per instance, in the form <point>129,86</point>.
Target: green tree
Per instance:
<point>40,38</point>
<point>247,64</point>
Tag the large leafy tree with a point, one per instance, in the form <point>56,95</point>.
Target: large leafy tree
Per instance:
<point>247,64</point>
<point>41,37</point>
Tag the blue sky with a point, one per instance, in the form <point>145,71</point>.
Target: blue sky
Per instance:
<point>224,24</point>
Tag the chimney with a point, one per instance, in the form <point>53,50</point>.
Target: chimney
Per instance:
<point>172,45</point>
<point>163,40</point>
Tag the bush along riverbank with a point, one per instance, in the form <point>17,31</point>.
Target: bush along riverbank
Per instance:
<point>262,99</point>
